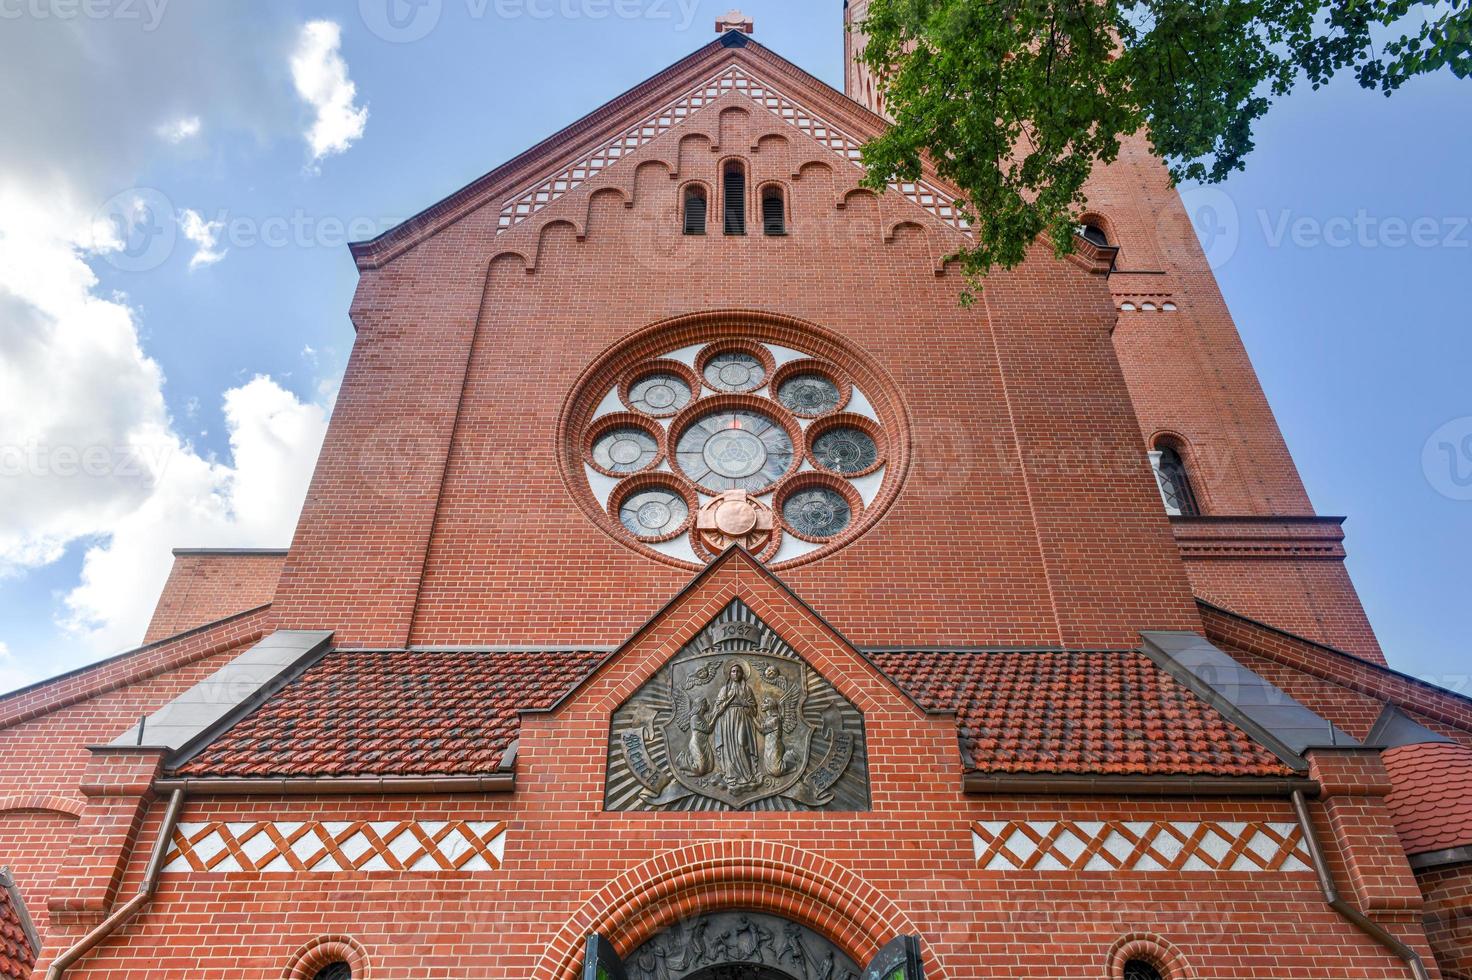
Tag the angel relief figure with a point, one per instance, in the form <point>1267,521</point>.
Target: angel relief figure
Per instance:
<point>778,717</point>
<point>696,759</point>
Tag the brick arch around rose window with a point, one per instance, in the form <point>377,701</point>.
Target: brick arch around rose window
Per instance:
<point>749,875</point>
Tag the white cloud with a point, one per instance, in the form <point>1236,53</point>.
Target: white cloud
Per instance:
<point>88,452</point>
<point>321,78</point>
<point>253,500</point>
<point>12,674</point>
<point>206,238</point>
<point>178,130</point>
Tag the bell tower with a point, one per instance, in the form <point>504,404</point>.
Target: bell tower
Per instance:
<point>1249,534</point>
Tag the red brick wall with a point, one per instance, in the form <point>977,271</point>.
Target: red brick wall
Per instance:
<point>205,587</point>
<point>1449,917</point>
<point>44,734</point>
<point>488,546</point>
<point>908,865</point>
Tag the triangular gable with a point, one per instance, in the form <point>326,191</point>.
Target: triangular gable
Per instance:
<point>531,182</point>
<point>733,77</point>
<point>735,574</point>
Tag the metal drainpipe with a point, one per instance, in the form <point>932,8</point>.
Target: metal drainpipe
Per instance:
<point>1331,895</point>
<point>125,912</point>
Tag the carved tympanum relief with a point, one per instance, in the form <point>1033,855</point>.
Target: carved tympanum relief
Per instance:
<point>737,720</point>
<point>722,944</point>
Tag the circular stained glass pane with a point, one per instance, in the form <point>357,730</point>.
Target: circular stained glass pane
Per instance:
<point>845,449</point>
<point>653,513</point>
<point>735,451</point>
<point>625,450</point>
<point>820,512</point>
<point>659,394</point>
<point>735,371</point>
<point>809,394</point>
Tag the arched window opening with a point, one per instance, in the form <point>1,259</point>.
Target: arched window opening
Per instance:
<point>1094,234</point>
<point>1175,483</point>
<point>334,971</point>
<point>1141,970</point>
<point>696,207</point>
<point>774,211</point>
<point>735,199</point>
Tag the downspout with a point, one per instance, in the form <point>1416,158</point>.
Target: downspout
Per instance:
<point>1331,895</point>
<point>125,912</point>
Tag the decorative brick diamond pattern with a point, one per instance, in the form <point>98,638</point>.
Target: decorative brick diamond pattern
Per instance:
<point>1158,846</point>
<point>323,847</point>
<point>731,79</point>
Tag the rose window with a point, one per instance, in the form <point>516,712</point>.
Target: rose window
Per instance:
<point>744,439</point>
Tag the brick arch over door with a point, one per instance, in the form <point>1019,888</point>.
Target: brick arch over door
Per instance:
<point>720,875</point>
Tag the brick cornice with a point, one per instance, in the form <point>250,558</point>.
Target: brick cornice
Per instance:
<point>1268,538</point>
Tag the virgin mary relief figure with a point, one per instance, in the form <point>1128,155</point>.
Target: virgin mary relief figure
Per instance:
<point>738,753</point>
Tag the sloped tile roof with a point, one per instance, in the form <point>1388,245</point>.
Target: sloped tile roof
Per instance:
<point>456,713</point>
<point>1431,799</point>
<point>16,956</point>
<point>1073,713</point>
<point>401,713</point>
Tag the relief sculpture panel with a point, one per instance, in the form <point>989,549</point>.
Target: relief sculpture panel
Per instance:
<point>737,720</point>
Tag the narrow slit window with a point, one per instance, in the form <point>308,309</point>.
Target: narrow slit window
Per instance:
<point>735,199</point>
<point>774,211</point>
<point>1140,970</point>
<point>1175,483</point>
<point>695,210</point>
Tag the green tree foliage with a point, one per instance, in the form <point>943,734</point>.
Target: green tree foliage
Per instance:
<point>1016,101</point>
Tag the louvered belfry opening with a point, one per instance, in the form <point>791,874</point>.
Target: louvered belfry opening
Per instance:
<point>735,199</point>
<point>774,211</point>
<point>695,210</point>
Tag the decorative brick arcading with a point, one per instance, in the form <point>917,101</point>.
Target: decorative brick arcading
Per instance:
<point>732,78</point>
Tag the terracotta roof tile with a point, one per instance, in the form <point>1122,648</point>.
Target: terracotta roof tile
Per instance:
<point>1431,802</point>
<point>16,956</point>
<point>379,714</point>
<point>1074,713</point>
<point>371,714</point>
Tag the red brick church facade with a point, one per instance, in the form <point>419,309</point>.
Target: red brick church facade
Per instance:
<point>688,578</point>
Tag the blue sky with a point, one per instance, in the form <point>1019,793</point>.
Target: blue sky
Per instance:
<point>220,362</point>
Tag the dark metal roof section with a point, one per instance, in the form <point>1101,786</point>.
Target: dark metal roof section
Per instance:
<point>1394,728</point>
<point>1263,710</point>
<point>210,707</point>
